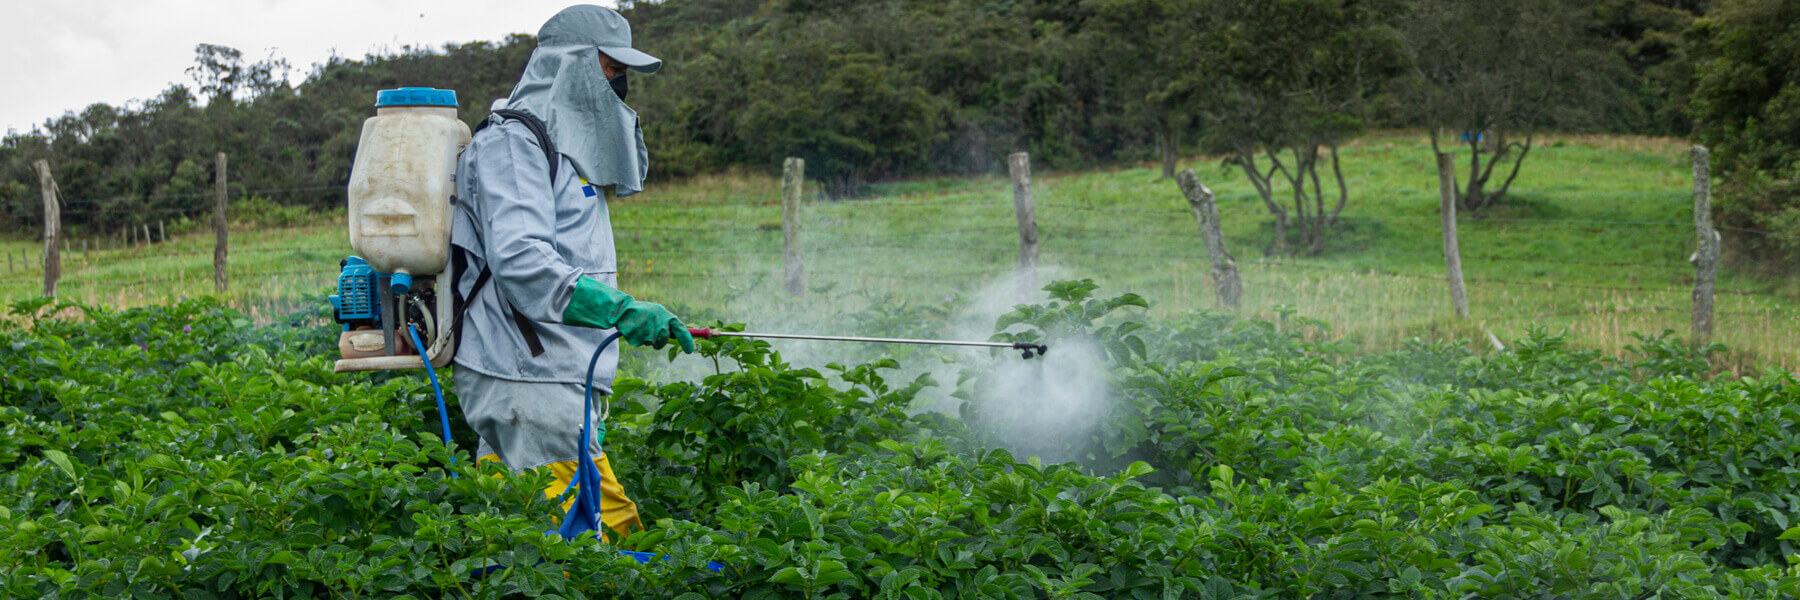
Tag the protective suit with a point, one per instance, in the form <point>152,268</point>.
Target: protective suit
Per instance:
<point>548,244</point>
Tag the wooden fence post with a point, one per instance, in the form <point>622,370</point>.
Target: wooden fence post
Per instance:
<point>220,250</point>
<point>793,178</point>
<point>1206,214</point>
<point>1706,257</point>
<point>1024,207</point>
<point>1447,212</point>
<point>162,231</point>
<point>52,228</point>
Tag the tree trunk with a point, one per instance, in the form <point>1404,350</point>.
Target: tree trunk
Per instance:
<point>1706,256</point>
<point>1206,215</point>
<point>52,228</point>
<point>793,179</point>
<point>1296,179</point>
<point>1337,171</point>
<point>1524,150</point>
<point>1264,190</point>
<point>1473,195</point>
<point>1170,143</point>
<point>1459,299</point>
<point>1318,242</point>
<point>1025,210</point>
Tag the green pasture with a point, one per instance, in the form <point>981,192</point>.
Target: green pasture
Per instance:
<point>1595,240</point>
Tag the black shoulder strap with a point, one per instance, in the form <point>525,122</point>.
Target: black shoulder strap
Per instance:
<point>522,322</point>
<point>527,329</point>
<point>537,129</point>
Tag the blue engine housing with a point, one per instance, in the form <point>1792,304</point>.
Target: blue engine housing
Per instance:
<point>358,301</point>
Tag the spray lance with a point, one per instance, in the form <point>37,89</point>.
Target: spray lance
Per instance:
<point>1028,348</point>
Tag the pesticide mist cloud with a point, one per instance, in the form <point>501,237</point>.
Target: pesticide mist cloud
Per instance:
<point>1047,406</point>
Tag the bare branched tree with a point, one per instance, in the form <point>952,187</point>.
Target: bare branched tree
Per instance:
<point>1289,81</point>
<point>1489,74</point>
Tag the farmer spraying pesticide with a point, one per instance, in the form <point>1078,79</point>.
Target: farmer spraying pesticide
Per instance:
<point>510,273</point>
<point>531,215</point>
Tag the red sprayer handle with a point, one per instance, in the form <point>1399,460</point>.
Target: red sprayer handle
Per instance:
<point>701,332</point>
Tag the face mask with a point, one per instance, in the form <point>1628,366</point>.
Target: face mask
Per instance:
<point>619,87</point>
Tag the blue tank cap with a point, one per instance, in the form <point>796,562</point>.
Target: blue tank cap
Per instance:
<point>415,96</point>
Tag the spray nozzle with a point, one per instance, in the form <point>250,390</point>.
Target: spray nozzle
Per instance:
<point>1030,349</point>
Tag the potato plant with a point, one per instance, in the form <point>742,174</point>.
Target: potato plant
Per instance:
<point>182,452</point>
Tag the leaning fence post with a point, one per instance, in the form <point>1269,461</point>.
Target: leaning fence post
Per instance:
<point>793,178</point>
<point>1019,164</point>
<point>1206,214</point>
<point>1706,257</point>
<point>219,246</point>
<point>1447,212</point>
<point>52,228</point>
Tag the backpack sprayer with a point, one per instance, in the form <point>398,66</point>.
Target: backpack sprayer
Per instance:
<point>400,191</point>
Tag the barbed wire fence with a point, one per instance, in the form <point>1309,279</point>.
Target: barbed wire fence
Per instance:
<point>1075,228</point>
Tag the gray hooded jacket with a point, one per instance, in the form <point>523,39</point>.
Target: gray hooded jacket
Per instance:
<point>537,237</point>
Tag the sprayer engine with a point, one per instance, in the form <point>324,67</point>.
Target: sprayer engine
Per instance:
<point>381,312</point>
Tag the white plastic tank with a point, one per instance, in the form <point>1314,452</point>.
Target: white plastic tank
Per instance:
<point>402,180</point>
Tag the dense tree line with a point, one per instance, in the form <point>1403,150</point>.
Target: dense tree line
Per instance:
<point>1745,57</point>
<point>867,90</point>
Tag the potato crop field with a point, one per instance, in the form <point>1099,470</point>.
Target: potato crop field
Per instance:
<point>1341,436</point>
<point>183,451</point>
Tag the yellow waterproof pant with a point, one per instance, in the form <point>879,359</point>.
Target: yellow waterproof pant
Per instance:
<point>616,510</point>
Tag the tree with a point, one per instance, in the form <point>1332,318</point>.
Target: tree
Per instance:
<point>1489,74</point>
<point>1286,83</point>
<point>1144,46</point>
<point>218,71</point>
<point>1746,107</point>
<point>860,120</point>
<point>1645,38</point>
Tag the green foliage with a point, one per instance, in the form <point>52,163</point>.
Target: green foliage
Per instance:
<point>263,213</point>
<point>180,452</point>
<point>1746,107</point>
<point>1073,313</point>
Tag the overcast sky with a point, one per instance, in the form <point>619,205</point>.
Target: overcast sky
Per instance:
<point>62,55</point>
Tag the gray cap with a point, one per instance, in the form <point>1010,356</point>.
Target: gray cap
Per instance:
<point>598,26</point>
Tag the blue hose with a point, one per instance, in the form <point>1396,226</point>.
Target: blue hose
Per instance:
<point>437,390</point>
<point>584,514</point>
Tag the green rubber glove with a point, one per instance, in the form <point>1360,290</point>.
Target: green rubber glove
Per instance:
<point>602,306</point>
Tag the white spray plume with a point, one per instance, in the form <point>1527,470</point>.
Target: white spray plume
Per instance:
<point>1050,406</point>
<point>1047,406</point>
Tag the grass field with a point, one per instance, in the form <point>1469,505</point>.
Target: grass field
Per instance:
<point>1594,240</point>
